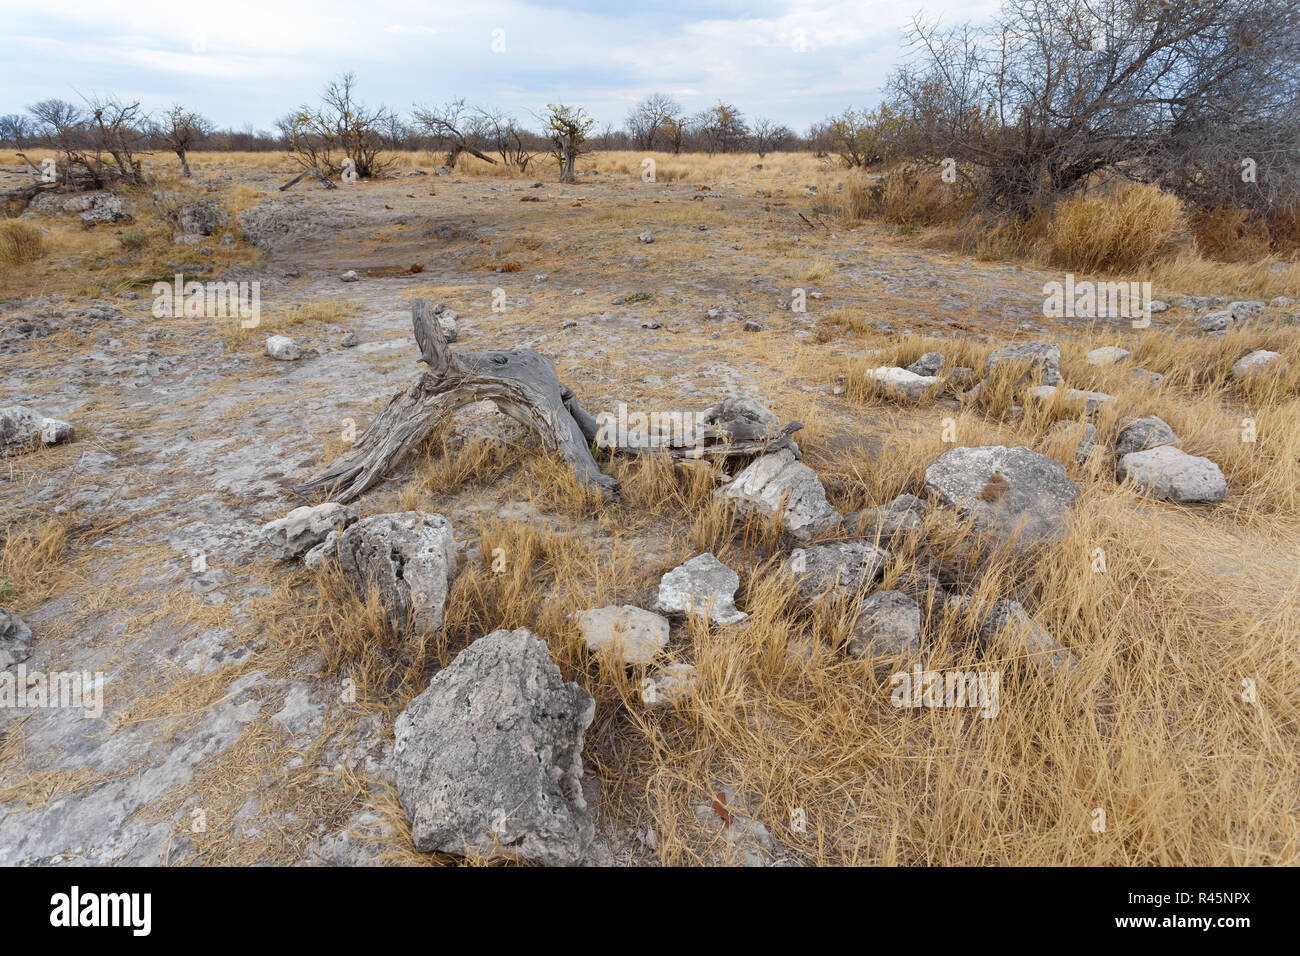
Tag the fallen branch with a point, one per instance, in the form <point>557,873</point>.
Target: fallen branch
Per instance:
<point>310,171</point>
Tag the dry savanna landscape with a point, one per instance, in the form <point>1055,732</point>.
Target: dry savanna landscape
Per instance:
<point>646,506</point>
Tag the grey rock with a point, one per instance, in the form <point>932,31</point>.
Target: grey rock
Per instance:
<point>905,513</point>
<point>1107,355</point>
<point>1023,635</point>
<point>202,218</point>
<point>1142,433</point>
<point>1245,310</point>
<point>928,364</point>
<point>901,383</point>
<point>1214,321</point>
<point>1258,361</point>
<point>639,634</point>
<point>841,568</point>
<point>888,623</point>
<point>1010,493</point>
<point>703,585</point>
<point>1171,474</point>
<point>411,557</point>
<point>1043,357</point>
<point>302,529</point>
<point>15,639</point>
<point>778,484</point>
<point>283,348</point>
<point>737,408</point>
<point>22,429</point>
<point>488,758</point>
<point>1091,401</point>
<point>104,208</point>
<point>350,276</point>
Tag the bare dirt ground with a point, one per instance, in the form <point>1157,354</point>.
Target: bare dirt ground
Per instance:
<point>231,735</point>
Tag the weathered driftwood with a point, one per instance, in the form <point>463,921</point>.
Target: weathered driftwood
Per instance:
<point>523,385</point>
<point>310,171</point>
<point>35,169</point>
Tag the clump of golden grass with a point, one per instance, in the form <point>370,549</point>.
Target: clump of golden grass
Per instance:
<point>30,557</point>
<point>20,242</point>
<point>1116,231</point>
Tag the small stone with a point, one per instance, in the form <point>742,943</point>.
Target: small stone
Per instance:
<point>350,276</point>
<point>639,634</point>
<point>283,348</point>
<point>1140,434</point>
<point>888,624</point>
<point>1108,355</point>
<point>927,365</point>
<point>668,685</point>
<point>702,586</point>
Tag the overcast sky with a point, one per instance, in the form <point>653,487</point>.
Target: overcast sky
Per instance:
<point>250,61</point>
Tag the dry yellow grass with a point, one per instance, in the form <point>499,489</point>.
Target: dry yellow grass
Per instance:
<point>1117,231</point>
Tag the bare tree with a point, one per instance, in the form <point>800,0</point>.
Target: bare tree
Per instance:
<point>181,130</point>
<point>648,120</point>
<point>1172,92</point>
<point>722,128</point>
<point>768,136</point>
<point>100,143</point>
<point>16,129</point>
<point>456,127</point>
<point>340,128</point>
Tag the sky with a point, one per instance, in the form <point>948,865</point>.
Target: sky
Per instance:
<point>248,62</point>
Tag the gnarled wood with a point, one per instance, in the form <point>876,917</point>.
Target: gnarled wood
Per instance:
<point>523,385</point>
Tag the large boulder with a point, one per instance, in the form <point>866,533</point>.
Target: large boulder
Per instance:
<point>1171,474</point>
<point>1012,494</point>
<point>489,757</point>
<point>1043,357</point>
<point>15,639</point>
<point>638,634</point>
<point>410,557</point>
<point>703,586</point>
<point>888,623</point>
<point>22,429</point>
<point>302,529</point>
<point>841,568</point>
<point>780,484</point>
<point>1140,434</point>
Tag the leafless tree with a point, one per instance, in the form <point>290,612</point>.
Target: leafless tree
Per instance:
<point>768,136</point>
<point>339,128</point>
<point>181,129</point>
<point>1168,91</point>
<point>648,121</point>
<point>456,127</point>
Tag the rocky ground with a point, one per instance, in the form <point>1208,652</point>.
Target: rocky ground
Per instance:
<point>225,737</point>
